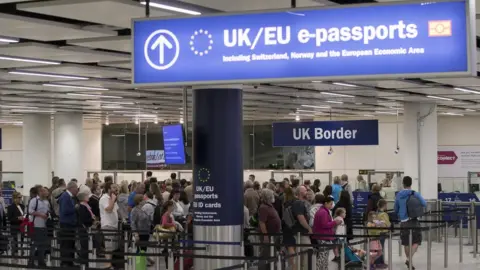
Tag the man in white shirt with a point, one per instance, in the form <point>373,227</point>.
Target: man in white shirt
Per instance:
<point>109,217</point>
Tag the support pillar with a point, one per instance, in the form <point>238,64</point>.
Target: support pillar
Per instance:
<point>218,173</point>
<point>37,166</point>
<point>68,147</point>
<point>420,147</point>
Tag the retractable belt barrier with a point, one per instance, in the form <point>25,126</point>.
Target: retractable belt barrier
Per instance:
<point>17,246</point>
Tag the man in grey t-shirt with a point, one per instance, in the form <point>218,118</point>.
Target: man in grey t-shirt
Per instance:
<point>39,209</point>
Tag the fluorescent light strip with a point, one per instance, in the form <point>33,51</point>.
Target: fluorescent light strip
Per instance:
<point>141,115</point>
<point>317,81</point>
<point>452,114</point>
<point>470,110</point>
<point>112,102</point>
<point>299,114</point>
<point>336,94</point>
<point>32,111</point>
<point>91,95</point>
<point>369,115</point>
<point>467,90</point>
<point>380,112</point>
<point>74,86</point>
<point>316,107</point>
<point>27,60</point>
<point>441,98</point>
<point>344,84</point>
<point>17,107</point>
<point>172,8</point>
<point>316,112</point>
<point>8,40</point>
<point>47,75</point>
<point>335,102</point>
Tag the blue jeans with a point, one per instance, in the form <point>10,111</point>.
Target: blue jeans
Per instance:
<point>381,259</point>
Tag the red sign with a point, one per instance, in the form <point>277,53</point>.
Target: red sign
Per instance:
<point>446,157</point>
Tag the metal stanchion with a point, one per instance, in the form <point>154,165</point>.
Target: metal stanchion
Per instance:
<point>310,263</point>
<point>368,253</point>
<point>410,240</point>
<point>445,242</point>
<point>279,261</point>
<point>469,226</point>
<point>91,255</point>
<point>400,245</point>
<point>171,260</point>
<point>133,259</point>
<point>182,244</point>
<point>297,250</point>
<point>272,252</point>
<point>125,246</point>
<point>439,218</point>
<point>390,251</point>
<point>342,254</point>
<point>460,259</point>
<point>429,248</point>
<point>475,234</point>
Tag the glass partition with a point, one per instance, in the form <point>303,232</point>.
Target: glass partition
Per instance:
<point>187,175</point>
<point>136,176</point>
<point>280,175</point>
<point>102,175</point>
<point>324,177</point>
<point>163,175</point>
<point>11,179</point>
<point>378,177</point>
<point>453,184</point>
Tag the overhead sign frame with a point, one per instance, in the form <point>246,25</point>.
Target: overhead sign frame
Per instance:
<point>470,34</point>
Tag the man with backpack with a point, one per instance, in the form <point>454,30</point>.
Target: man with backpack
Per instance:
<point>409,207</point>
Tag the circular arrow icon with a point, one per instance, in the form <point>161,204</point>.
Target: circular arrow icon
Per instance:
<point>161,41</point>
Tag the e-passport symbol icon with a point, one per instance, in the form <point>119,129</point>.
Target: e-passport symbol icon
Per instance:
<point>441,28</point>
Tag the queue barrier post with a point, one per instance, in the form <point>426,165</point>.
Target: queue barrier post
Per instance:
<point>429,248</point>
<point>342,254</point>
<point>368,253</point>
<point>410,240</point>
<point>279,261</point>
<point>297,251</point>
<point>310,257</point>
<point>182,244</point>
<point>445,244</point>
<point>400,246</point>
<point>133,259</point>
<point>460,258</point>
<point>171,260</point>
<point>390,251</point>
<point>125,246</point>
<point>475,230</point>
<point>469,226</point>
<point>90,247</point>
<point>272,252</point>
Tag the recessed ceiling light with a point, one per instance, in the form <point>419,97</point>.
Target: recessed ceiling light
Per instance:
<point>317,107</point>
<point>336,94</point>
<point>8,40</point>
<point>297,118</point>
<point>316,112</point>
<point>172,8</point>
<point>75,86</point>
<point>382,112</point>
<point>28,60</point>
<point>344,84</point>
<point>467,90</point>
<point>17,107</point>
<point>335,102</point>
<point>441,98</point>
<point>317,81</point>
<point>92,95</point>
<point>369,115</point>
<point>470,110</point>
<point>27,73</point>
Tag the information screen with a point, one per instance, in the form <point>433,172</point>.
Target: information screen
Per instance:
<point>173,144</point>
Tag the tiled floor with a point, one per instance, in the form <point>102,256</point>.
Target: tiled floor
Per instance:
<point>420,259</point>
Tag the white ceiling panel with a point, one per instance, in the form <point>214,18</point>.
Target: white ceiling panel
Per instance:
<point>118,43</point>
<point>244,5</point>
<point>82,70</point>
<point>435,91</point>
<point>30,28</point>
<point>65,53</point>
<point>109,12</point>
<point>393,84</point>
<point>119,64</point>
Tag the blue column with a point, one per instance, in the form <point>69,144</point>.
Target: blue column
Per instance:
<point>218,173</point>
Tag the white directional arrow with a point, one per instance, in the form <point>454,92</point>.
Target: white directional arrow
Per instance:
<point>161,42</point>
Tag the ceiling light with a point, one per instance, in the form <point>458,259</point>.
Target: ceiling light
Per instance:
<point>470,110</point>
<point>381,112</point>
<point>8,40</point>
<point>317,107</point>
<point>297,118</point>
<point>336,94</point>
<point>317,81</point>
<point>28,60</point>
<point>369,115</point>
<point>155,121</point>
<point>358,103</point>
<point>137,121</point>
<point>32,111</point>
<point>344,84</point>
<point>467,90</point>
<point>17,123</point>
<point>92,95</point>
<point>107,122</point>
<point>141,115</point>
<point>27,73</point>
<point>112,102</point>
<point>181,120</point>
<point>441,98</point>
<point>74,86</point>
<point>17,107</point>
<point>335,102</point>
<point>316,112</point>
<point>112,107</point>
<point>452,114</point>
<point>172,8</point>
<point>118,135</point>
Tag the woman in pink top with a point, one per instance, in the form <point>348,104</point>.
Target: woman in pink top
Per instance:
<point>167,217</point>
<point>323,224</point>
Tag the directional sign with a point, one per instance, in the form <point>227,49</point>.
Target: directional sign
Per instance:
<point>415,39</point>
<point>446,157</point>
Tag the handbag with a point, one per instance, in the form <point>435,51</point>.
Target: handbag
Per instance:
<point>163,233</point>
<point>141,261</point>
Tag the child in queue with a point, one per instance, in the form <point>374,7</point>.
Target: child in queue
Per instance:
<point>375,246</point>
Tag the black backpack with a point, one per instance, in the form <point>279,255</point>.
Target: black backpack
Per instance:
<point>415,208</point>
<point>157,215</point>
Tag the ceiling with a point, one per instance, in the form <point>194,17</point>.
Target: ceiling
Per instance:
<point>74,56</point>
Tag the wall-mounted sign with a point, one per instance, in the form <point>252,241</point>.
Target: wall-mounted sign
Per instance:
<point>415,39</point>
<point>457,161</point>
<point>357,132</point>
<point>155,158</point>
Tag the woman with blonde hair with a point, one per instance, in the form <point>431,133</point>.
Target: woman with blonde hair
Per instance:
<point>122,201</point>
<point>133,186</point>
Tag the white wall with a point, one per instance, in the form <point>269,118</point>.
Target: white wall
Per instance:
<point>12,145</point>
<point>452,130</point>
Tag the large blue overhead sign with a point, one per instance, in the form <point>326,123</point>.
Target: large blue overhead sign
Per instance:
<point>393,40</point>
<point>356,132</point>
